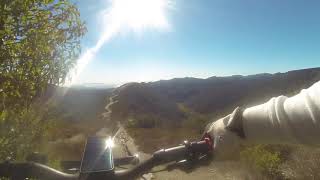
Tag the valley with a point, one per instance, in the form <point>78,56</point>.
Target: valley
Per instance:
<point>145,117</point>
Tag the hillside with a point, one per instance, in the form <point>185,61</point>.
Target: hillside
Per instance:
<point>78,103</point>
<point>164,113</point>
<point>174,101</point>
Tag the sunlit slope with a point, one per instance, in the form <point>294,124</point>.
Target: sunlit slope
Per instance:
<point>79,103</point>
<point>159,103</point>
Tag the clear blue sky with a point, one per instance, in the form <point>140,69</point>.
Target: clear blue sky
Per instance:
<point>208,38</point>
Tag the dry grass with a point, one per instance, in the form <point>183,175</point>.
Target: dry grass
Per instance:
<point>303,163</point>
<point>67,139</point>
<point>151,139</point>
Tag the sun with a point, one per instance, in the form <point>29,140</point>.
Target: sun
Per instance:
<point>109,143</point>
<point>136,15</point>
<point>140,14</point>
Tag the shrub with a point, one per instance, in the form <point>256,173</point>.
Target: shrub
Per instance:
<point>21,133</point>
<point>262,159</point>
<point>303,163</point>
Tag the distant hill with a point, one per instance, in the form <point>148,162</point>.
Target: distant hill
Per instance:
<point>79,103</point>
<point>171,102</point>
<point>94,86</point>
<point>160,102</point>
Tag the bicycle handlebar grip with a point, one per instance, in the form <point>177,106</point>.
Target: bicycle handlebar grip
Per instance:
<point>201,147</point>
<point>185,151</point>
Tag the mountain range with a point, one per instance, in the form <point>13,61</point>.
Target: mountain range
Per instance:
<point>178,101</point>
<point>170,102</point>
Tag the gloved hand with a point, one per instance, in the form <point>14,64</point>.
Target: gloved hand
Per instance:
<point>227,135</point>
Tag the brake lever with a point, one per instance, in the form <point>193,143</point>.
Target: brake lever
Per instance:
<point>209,140</point>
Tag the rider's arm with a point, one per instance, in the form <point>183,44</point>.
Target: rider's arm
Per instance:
<point>285,120</point>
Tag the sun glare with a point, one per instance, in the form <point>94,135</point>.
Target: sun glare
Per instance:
<point>140,14</point>
<point>109,143</point>
<point>135,15</point>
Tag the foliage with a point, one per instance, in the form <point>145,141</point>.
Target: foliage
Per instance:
<point>262,159</point>
<point>194,120</point>
<point>21,133</point>
<point>39,43</point>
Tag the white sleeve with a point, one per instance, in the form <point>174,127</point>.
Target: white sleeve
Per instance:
<point>285,120</point>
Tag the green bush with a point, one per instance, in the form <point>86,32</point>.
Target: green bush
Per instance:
<point>39,44</point>
<point>21,133</point>
<point>262,159</point>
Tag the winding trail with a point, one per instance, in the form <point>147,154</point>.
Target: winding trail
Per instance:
<point>125,146</point>
<point>107,115</point>
<point>108,128</point>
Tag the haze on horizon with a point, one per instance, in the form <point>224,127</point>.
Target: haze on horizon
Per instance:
<point>206,38</point>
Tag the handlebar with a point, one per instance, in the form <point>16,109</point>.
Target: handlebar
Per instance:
<point>19,171</point>
<point>186,151</point>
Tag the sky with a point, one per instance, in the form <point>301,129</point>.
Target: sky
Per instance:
<point>205,38</point>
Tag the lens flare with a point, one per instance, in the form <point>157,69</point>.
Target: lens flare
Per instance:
<point>140,14</point>
<point>135,15</point>
<point>109,143</point>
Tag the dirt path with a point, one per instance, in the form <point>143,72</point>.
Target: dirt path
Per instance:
<point>229,170</point>
<point>106,131</point>
<point>106,115</point>
<point>124,146</point>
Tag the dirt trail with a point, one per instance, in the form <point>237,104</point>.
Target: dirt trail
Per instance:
<point>106,115</point>
<point>212,170</point>
<point>125,146</point>
<point>124,143</point>
<point>108,128</point>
